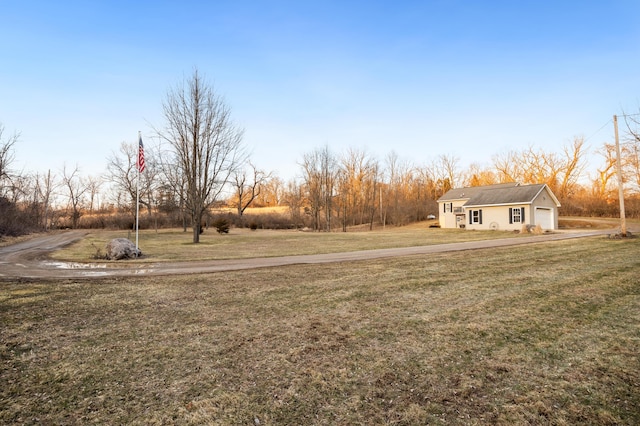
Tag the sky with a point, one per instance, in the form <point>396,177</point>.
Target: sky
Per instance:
<point>462,78</point>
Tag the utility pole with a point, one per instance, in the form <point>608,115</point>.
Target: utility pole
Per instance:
<point>623,222</point>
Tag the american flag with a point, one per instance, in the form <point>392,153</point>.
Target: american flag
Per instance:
<point>140,163</point>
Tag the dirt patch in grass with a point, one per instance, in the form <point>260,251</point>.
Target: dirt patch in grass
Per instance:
<point>543,334</point>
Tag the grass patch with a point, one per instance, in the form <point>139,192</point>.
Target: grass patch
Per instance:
<point>542,334</point>
<point>175,245</point>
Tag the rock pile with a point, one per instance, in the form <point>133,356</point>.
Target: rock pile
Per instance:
<point>122,248</point>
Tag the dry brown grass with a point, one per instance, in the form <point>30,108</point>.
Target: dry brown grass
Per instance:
<point>571,222</point>
<point>542,334</point>
<point>175,245</point>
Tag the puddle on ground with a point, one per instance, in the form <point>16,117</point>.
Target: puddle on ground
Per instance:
<point>75,265</point>
<point>89,269</point>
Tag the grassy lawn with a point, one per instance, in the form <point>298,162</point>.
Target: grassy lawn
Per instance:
<point>176,245</point>
<point>540,334</point>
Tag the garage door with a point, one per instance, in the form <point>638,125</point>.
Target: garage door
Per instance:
<point>544,218</point>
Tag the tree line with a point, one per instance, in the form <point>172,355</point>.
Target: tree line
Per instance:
<point>197,168</point>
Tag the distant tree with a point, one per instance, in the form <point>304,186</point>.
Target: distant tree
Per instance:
<point>602,183</point>
<point>508,166</point>
<point>76,189</point>
<point>122,174</point>
<point>7,157</point>
<point>395,200</point>
<point>448,164</point>
<point>356,188</point>
<point>571,168</point>
<point>631,150</point>
<point>476,175</point>
<point>93,188</point>
<point>294,198</point>
<point>531,166</point>
<point>319,171</point>
<point>247,185</point>
<point>205,146</point>
<point>271,193</point>
<point>45,185</point>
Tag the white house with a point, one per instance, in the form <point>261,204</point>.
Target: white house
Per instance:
<point>506,206</point>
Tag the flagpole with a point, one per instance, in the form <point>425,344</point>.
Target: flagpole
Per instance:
<point>138,190</point>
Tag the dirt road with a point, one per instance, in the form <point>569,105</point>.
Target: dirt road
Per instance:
<point>29,259</point>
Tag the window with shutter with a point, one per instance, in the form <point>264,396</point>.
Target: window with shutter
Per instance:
<point>475,216</point>
<point>515,215</point>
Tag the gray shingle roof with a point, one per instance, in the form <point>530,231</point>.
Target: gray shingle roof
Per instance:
<point>513,195</point>
<point>509,193</point>
<point>466,193</point>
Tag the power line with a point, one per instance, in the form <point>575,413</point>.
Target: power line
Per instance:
<point>598,131</point>
<point>610,122</point>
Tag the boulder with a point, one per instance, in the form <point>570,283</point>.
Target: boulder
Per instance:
<point>122,248</point>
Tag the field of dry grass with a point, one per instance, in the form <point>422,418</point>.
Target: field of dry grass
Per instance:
<point>176,245</point>
<point>541,334</point>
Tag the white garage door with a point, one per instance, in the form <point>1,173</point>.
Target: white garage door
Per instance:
<point>544,218</point>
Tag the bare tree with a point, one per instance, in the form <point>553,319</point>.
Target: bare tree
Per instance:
<point>46,184</point>
<point>319,174</point>
<point>294,198</point>
<point>631,150</point>
<point>205,145</point>
<point>531,166</point>
<point>271,193</point>
<point>508,167</point>
<point>395,204</point>
<point>449,166</point>
<point>632,121</point>
<point>122,173</point>
<point>356,188</point>
<point>7,157</point>
<point>573,167</point>
<point>93,187</point>
<point>602,187</point>
<point>477,175</point>
<point>248,188</point>
<point>76,189</point>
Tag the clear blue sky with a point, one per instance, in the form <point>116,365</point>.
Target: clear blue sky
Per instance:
<point>422,78</point>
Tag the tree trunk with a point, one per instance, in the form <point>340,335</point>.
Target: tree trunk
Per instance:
<point>196,233</point>
<point>196,221</point>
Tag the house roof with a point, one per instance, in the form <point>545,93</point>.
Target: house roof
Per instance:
<point>466,193</point>
<point>502,194</point>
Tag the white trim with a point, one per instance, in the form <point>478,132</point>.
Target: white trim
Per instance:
<point>499,204</point>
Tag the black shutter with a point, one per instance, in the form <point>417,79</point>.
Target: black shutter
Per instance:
<point>510,215</point>
<point>480,216</point>
<point>470,217</point>
<point>522,215</point>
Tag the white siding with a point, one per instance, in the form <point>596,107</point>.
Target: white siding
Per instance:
<point>497,218</point>
<point>448,219</point>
